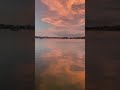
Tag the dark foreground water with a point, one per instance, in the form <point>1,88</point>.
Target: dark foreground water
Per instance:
<point>60,64</point>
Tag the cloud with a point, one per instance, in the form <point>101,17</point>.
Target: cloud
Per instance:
<point>65,16</point>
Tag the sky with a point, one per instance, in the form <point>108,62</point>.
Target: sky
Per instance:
<point>59,17</point>
<point>17,12</point>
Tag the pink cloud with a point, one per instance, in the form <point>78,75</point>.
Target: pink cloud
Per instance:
<point>65,16</point>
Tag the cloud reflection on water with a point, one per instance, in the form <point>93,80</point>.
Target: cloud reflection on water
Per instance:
<point>62,66</point>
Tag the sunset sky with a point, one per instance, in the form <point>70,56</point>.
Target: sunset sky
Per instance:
<point>60,17</point>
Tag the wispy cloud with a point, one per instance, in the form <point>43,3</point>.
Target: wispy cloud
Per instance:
<point>67,17</point>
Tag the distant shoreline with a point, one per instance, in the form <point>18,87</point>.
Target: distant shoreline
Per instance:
<point>4,27</point>
<point>59,37</point>
<point>103,28</point>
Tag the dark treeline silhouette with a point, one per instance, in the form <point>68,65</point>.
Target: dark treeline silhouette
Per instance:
<point>103,28</point>
<point>59,37</point>
<point>16,27</point>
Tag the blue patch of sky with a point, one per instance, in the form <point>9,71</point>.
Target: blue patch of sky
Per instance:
<point>40,9</point>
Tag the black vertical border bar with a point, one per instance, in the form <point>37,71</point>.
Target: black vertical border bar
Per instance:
<point>102,51</point>
<point>17,46</point>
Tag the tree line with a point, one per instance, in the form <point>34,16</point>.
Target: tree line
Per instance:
<point>59,37</point>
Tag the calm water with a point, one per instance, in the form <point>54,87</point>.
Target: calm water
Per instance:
<point>60,64</point>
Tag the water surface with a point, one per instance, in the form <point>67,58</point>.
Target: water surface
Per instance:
<point>60,64</point>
